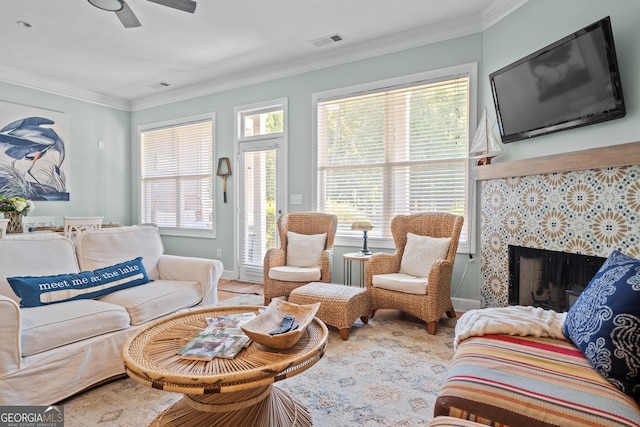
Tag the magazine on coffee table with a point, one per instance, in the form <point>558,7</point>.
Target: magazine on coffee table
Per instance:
<point>230,320</point>
<point>203,346</point>
<point>221,338</point>
<point>227,328</point>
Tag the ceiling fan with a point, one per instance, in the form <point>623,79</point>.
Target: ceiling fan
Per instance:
<point>129,19</point>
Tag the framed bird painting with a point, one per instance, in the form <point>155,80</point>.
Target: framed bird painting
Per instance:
<point>32,152</point>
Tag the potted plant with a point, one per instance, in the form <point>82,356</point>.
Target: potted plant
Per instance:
<point>13,209</point>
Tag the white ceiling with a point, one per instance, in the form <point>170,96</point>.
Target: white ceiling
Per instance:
<point>75,49</point>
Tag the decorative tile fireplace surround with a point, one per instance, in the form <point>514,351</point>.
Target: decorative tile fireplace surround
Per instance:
<point>586,202</point>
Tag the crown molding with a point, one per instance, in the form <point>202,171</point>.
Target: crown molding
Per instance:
<point>30,81</point>
<point>329,58</point>
<point>499,10</point>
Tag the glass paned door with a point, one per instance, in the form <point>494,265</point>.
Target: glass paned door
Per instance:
<point>260,207</point>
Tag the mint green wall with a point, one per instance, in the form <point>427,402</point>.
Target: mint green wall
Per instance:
<point>298,89</point>
<point>103,181</point>
<point>532,26</point>
<point>98,180</point>
<point>541,22</point>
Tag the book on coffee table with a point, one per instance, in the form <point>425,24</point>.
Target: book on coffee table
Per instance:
<point>230,320</point>
<point>204,346</point>
<point>227,328</point>
<point>221,338</point>
<point>232,344</point>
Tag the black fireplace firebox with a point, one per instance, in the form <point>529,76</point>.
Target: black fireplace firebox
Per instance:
<point>548,279</point>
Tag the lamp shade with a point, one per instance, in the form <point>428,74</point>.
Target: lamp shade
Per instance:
<point>362,225</point>
<point>110,5</point>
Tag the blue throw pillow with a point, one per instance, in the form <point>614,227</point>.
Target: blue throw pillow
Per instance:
<point>604,322</point>
<point>36,291</point>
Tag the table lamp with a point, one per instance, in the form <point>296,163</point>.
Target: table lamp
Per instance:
<point>363,226</point>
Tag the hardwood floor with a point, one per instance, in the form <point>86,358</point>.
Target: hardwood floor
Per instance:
<point>222,295</point>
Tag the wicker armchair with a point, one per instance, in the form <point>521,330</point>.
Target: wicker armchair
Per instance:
<point>309,223</point>
<point>436,299</point>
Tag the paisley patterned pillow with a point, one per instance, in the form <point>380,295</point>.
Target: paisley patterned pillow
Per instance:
<point>605,322</point>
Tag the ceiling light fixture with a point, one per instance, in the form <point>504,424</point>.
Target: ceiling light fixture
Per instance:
<point>110,5</point>
<point>23,24</point>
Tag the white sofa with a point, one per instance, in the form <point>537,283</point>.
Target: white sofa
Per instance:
<point>51,352</point>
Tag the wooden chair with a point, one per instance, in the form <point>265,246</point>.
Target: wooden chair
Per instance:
<point>74,225</point>
<point>427,296</point>
<point>280,275</point>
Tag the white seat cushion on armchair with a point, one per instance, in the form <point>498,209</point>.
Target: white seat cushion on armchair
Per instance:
<point>401,282</point>
<point>304,255</point>
<point>287,273</point>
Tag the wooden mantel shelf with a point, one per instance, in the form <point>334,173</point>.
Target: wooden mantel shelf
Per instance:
<point>595,158</point>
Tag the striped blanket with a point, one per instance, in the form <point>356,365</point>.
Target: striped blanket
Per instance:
<point>505,380</point>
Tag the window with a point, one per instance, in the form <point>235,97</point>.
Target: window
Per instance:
<point>395,147</point>
<point>261,147</point>
<point>176,176</point>
<point>261,122</point>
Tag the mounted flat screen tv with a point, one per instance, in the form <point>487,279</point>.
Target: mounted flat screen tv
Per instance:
<point>572,82</point>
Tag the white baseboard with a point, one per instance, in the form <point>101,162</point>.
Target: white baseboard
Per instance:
<point>463,304</point>
<point>232,275</point>
<point>229,275</point>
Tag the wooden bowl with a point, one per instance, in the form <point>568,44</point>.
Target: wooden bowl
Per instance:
<point>258,329</point>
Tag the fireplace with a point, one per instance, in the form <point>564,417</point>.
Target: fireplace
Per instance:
<point>548,279</point>
<point>585,211</point>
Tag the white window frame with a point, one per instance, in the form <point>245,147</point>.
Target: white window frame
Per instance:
<point>469,70</point>
<point>183,232</point>
<point>280,141</point>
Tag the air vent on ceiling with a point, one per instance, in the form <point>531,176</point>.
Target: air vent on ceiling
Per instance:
<point>323,41</point>
<point>159,85</point>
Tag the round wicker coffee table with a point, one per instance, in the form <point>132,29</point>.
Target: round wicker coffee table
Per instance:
<point>222,392</point>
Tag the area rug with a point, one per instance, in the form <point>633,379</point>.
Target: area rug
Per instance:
<point>387,373</point>
<point>238,287</point>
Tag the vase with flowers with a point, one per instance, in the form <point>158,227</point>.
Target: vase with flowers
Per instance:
<point>13,209</point>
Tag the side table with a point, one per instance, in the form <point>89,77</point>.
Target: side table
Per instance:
<point>348,260</point>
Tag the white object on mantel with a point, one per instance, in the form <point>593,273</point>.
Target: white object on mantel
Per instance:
<point>485,145</point>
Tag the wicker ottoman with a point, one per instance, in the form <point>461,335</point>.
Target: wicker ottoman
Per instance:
<point>340,305</point>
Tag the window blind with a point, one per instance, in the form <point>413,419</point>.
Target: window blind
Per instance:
<point>394,151</point>
<point>177,176</point>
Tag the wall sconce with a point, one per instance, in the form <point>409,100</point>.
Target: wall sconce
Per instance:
<point>363,226</point>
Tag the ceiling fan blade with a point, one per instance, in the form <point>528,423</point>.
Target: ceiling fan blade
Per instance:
<point>127,17</point>
<point>184,5</point>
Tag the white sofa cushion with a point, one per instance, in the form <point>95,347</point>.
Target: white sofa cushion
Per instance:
<point>401,282</point>
<point>422,251</point>
<point>108,246</point>
<point>155,299</point>
<point>44,254</point>
<point>287,273</point>
<point>47,327</point>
